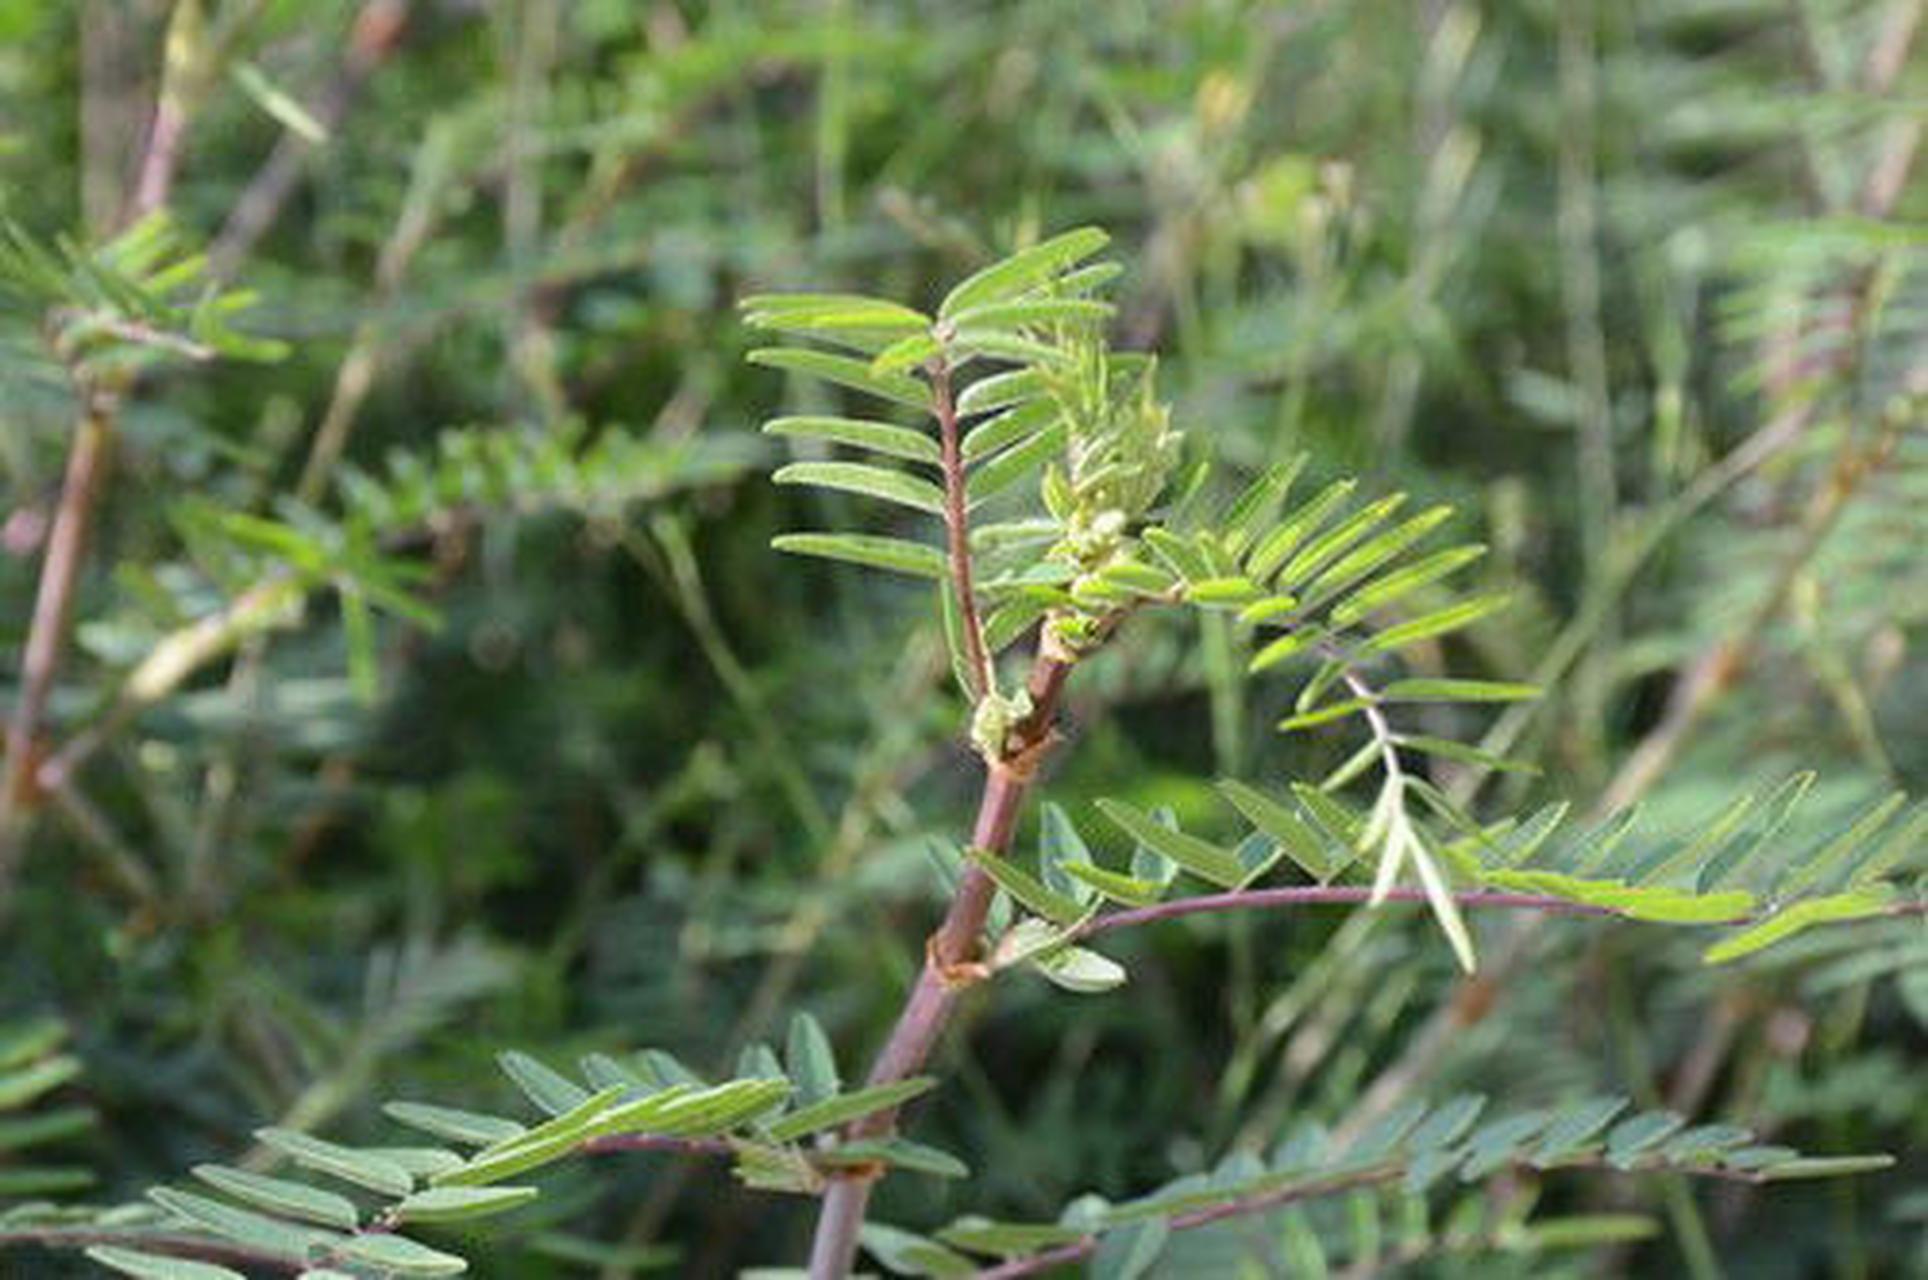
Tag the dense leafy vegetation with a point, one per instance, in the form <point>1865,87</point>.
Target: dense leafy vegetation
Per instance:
<point>423,663</point>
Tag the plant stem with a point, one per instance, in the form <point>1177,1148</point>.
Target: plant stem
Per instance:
<point>957,529</point>
<point>377,31</point>
<point>47,633</point>
<point>950,958</point>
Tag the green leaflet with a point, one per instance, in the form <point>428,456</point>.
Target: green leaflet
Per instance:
<point>256,1230</point>
<point>1441,622</point>
<point>1022,271</point>
<point>1400,583</point>
<point>1253,508</point>
<point>278,1195</point>
<point>400,1255</point>
<point>17,1088</point>
<point>902,1153</point>
<point>1078,969</point>
<point>998,391</point>
<point>362,1168</point>
<point>29,1039</point>
<point>811,1061</point>
<point>896,555</point>
<point>1234,592</point>
<point>1441,690</point>
<point>1126,890</point>
<point>152,1266</point>
<point>879,437</point>
<point>468,1127</point>
<point>1324,715</point>
<point>845,372</point>
<point>1026,889</point>
<point>552,1092</point>
<point>855,309</point>
<point>1043,311</point>
<point>1839,850</point>
<point>834,1111</point>
<point>994,433</point>
<point>1015,463</point>
<point>707,1112</point>
<point>1853,904</point>
<point>1825,1167</point>
<point>1006,1239</point>
<point>866,481</point>
<point>1206,861</point>
<point>1633,1137</point>
<point>1290,645</point>
<point>454,1204</point>
<point>1292,835</point>
<point>1276,546</point>
<point>906,353</point>
<point>1370,555</point>
<point>913,1255</point>
<point>1321,550</point>
<point>1657,903</point>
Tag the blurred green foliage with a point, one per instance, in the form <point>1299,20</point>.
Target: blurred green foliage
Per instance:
<point>552,751</point>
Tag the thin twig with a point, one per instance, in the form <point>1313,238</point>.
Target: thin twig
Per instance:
<point>376,33</point>
<point>957,528</point>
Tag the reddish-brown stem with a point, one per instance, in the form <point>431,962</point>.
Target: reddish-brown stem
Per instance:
<point>957,528</point>
<point>951,961</point>
<point>47,632</point>
<point>1065,1255</point>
